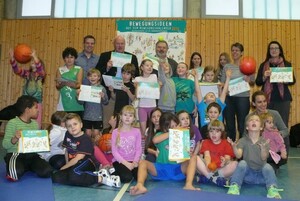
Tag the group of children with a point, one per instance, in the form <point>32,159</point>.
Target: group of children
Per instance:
<point>74,154</point>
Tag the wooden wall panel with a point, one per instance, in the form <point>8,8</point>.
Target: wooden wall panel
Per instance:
<point>210,37</point>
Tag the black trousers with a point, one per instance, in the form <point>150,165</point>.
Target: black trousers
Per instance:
<point>79,174</point>
<point>17,164</point>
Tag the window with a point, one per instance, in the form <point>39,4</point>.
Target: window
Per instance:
<point>103,8</point>
<point>225,9</point>
<point>34,8</point>
<point>258,9</point>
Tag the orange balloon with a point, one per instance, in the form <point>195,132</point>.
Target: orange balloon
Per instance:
<point>212,166</point>
<point>247,65</point>
<point>103,143</point>
<point>22,53</point>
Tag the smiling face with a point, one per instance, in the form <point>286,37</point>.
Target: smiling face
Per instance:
<point>274,50</point>
<point>147,68</point>
<point>213,113</point>
<point>182,70</point>
<point>236,53</point>
<point>161,50</point>
<point>222,60</point>
<point>74,127</point>
<point>260,104</point>
<point>89,45</point>
<point>69,60</point>
<point>94,78</point>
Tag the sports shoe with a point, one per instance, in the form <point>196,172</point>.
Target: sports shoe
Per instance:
<point>233,189</point>
<point>103,173</point>
<point>273,192</point>
<point>222,182</point>
<point>113,181</point>
<point>202,179</point>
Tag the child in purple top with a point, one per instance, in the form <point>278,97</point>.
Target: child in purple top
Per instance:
<point>195,136</point>
<point>126,145</point>
<point>278,153</point>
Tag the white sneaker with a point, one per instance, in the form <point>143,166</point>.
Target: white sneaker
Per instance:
<point>103,173</point>
<point>113,181</point>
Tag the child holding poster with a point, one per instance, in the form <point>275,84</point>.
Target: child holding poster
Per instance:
<point>185,121</point>
<point>215,161</point>
<point>146,105</point>
<point>163,168</point>
<point>126,95</point>
<point>93,112</point>
<point>19,163</point>
<point>203,102</point>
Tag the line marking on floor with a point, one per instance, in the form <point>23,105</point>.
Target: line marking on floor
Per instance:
<point>122,191</point>
<point>294,157</point>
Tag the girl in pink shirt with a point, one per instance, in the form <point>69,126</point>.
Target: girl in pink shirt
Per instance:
<point>126,145</point>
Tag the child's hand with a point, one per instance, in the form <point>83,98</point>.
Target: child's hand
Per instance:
<point>231,142</point>
<point>11,54</point>
<point>247,78</point>
<point>263,145</point>
<point>228,73</point>
<point>110,88</point>
<point>130,166</point>
<point>109,65</point>
<point>125,89</point>
<point>135,164</point>
<point>18,134</point>
<point>33,54</point>
<point>101,94</point>
<point>283,155</point>
<point>156,153</point>
<point>78,92</point>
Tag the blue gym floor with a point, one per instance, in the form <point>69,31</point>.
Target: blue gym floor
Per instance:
<point>288,179</point>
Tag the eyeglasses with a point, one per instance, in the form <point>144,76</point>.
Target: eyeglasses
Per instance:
<point>274,48</point>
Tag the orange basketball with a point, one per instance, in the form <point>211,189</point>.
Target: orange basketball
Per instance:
<point>212,166</point>
<point>104,143</point>
<point>22,53</point>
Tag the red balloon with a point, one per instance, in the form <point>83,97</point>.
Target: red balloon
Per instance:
<point>248,65</point>
<point>22,53</point>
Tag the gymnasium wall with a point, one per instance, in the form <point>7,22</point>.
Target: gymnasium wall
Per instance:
<point>208,36</point>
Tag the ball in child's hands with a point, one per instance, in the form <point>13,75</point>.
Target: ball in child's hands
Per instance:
<point>212,166</point>
<point>104,143</point>
<point>22,53</point>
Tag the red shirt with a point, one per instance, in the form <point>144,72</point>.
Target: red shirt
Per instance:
<point>217,150</point>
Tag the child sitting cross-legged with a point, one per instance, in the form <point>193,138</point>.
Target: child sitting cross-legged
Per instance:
<point>215,162</point>
<point>163,169</point>
<point>253,168</point>
<point>80,169</point>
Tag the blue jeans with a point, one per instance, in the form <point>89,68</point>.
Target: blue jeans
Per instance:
<point>239,107</point>
<point>243,173</point>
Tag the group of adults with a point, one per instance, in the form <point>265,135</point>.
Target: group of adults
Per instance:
<point>88,59</point>
<point>275,97</point>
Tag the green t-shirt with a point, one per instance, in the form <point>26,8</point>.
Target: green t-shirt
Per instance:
<point>12,126</point>
<point>163,147</point>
